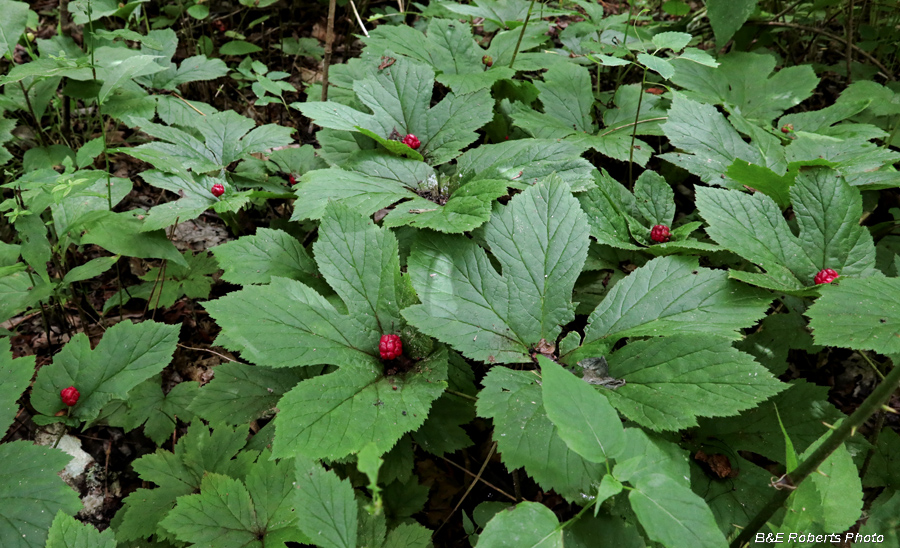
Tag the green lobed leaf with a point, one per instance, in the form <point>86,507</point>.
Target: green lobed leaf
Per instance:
<point>839,487</point>
<point>67,532</point>
<point>743,82</point>
<point>539,272</point>
<point>753,227</point>
<point>127,355</point>
<point>240,393</point>
<point>366,182</point>
<point>828,211</point>
<point>399,97</point>
<point>326,509</point>
<point>710,143</point>
<point>527,525</point>
<point>673,515</point>
<point>657,64</point>
<point>526,161</point>
<point>565,93</point>
<point>256,259</point>
<point>527,438</point>
<point>728,16</point>
<point>644,454</point>
<point>16,374</point>
<point>468,208</point>
<point>838,318</point>
<point>670,382</point>
<point>670,295</point>
<point>31,493</point>
<point>157,412</point>
<point>676,41</point>
<point>360,262</point>
<point>408,535</point>
<point>654,199</point>
<point>197,453</point>
<point>339,413</point>
<point>122,234</point>
<point>15,18</point>
<point>586,421</point>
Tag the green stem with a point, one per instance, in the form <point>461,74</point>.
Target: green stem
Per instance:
<point>634,130</point>
<point>521,34</point>
<point>789,482</point>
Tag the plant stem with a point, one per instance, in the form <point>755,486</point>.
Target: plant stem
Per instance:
<point>329,42</point>
<point>521,34</point>
<point>787,483</point>
<point>634,130</point>
<point>887,73</point>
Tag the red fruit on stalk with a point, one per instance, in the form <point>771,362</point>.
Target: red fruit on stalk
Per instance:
<point>660,234</point>
<point>69,395</point>
<point>217,190</point>
<point>826,276</point>
<point>292,179</point>
<point>488,61</point>
<point>411,141</point>
<point>390,347</point>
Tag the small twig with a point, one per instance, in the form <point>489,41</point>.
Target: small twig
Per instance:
<point>198,111</point>
<point>359,19</point>
<point>482,480</point>
<point>461,395</point>
<point>516,485</point>
<point>471,485</point>
<point>785,10</point>
<point>850,42</point>
<point>872,364</point>
<point>634,130</point>
<point>224,357</point>
<point>329,43</point>
<point>629,124</point>
<point>884,71</point>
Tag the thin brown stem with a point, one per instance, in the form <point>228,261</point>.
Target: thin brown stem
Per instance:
<point>329,43</point>
<point>471,485</point>
<point>884,71</point>
<point>482,480</point>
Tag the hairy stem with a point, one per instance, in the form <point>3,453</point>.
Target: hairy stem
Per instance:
<point>789,482</point>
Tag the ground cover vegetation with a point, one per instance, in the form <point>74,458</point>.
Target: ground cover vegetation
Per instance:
<point>502,273</point>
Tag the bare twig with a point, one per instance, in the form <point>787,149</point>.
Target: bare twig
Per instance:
<point>482,480</point>
<point>358,18</point>
<point>884,71</point>
<point>329,42</point>
<point>471,485</point>
<point>224,357</point>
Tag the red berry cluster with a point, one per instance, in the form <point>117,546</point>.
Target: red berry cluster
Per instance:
<point>826,276</point>
<point>390,347</point>
<point>292,179</point>
<point>69,395</point>
<point>488,61</point>
<point>660,234</point>
<point>217,190</point>
<point>411,141</point>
